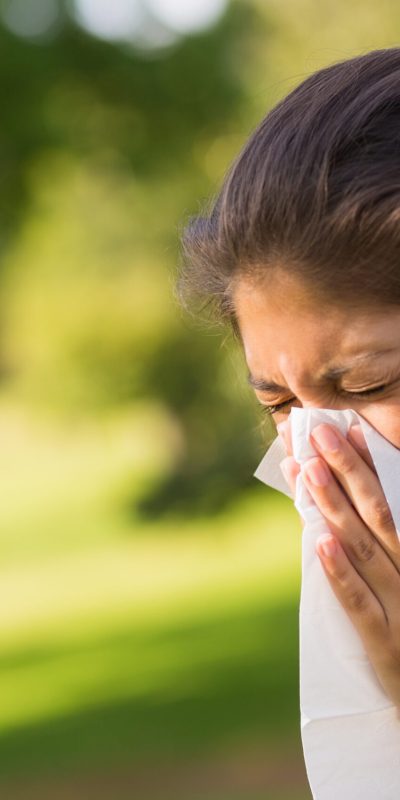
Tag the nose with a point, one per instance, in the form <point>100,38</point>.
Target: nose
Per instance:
<point>322,400</point>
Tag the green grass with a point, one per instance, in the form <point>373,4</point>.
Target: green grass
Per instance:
<point>128,645</point>
<point>181,689</point>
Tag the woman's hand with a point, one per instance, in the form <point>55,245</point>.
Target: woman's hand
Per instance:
<point>361,555</point>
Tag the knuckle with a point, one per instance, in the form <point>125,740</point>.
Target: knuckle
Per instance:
<point>381,515</point>
<point>344,463</point>
<point>332,507</point>
<point>364,549</point>
<point>357,601</point>
<point>329,508</point>
<point>377,626</point>
<point>341,577</point>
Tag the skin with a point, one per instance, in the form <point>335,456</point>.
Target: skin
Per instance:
<point>292,339</point>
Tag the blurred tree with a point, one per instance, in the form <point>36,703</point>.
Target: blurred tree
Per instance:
<point>98,98</point>
<point>202,382</point>
<point>103,150</point>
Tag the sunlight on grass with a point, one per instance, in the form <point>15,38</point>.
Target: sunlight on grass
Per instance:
<point>123,641</point>
<point>59,482</point>
<point>251,554</point>
<point>79,598</point>
<point>68,603</point>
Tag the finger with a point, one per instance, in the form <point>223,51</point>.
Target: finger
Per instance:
<point>362,606</point>
<point>357,439</point>
<point>361,547</point>
<point>290,470</point>
<point>361,485</point>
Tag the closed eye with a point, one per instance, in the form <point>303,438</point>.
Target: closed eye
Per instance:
<point>366,393</point>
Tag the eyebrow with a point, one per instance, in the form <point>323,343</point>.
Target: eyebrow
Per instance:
<point>265,385</point>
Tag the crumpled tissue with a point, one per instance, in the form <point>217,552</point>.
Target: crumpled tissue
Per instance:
<point>350,729</point>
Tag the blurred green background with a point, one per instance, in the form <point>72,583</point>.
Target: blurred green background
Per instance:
<point>149,586</point>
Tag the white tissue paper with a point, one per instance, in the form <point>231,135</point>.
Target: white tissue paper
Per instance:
<point>350,728</point>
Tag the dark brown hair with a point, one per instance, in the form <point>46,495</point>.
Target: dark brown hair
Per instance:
<point>315,191</point>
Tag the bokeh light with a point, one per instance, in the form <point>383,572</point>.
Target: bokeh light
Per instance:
<point>117,20</point>
<point>30,20</point>
<point>127,20</point>
<point>187,17</point>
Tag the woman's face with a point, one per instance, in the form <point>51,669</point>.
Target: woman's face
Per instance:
<point>306,353</point>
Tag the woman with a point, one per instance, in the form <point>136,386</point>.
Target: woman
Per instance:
<point>301,253</point>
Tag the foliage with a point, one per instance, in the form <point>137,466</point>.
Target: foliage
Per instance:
<point>138,625</point>
<point>115,146</point>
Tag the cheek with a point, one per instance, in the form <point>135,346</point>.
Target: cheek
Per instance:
<point>385,418</point>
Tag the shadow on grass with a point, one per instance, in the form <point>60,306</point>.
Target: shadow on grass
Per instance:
<point>233,686</point>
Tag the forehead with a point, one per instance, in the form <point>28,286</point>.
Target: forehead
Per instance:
<point>286,330</point>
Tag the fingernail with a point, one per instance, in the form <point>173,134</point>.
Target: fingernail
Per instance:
<point>326,544</point>
<point>317,472</point>
<point>326,438</point>
<point>357,435</point>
